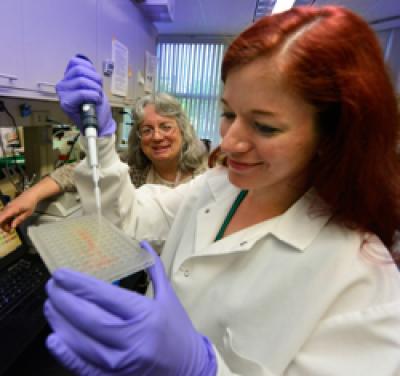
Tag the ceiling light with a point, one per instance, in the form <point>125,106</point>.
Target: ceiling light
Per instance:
<point>282,5</point>
<point>265,7</point>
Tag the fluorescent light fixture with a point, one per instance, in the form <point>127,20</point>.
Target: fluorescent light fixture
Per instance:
<point>282,5</point>
<point>263,7</point>
<point>266,7</point>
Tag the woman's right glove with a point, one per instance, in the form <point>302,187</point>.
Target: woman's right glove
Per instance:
<point>82,84</point>
<point>101,329</point>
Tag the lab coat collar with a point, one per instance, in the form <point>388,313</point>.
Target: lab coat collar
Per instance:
<point>298,226</point>
<point>303,221</point>
<point>220,186</point>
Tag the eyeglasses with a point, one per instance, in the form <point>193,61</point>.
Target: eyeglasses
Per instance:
<point>147,132</point>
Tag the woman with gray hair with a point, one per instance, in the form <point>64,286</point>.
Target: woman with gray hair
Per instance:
<point>162,149</point>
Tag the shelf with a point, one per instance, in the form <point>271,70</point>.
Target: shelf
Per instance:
<point>11,161</point>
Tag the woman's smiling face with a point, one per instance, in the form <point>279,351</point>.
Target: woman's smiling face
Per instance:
<point>163,139</point>
<point>268,132</point>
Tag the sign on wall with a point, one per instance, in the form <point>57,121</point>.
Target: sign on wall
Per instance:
<point>119,79</point>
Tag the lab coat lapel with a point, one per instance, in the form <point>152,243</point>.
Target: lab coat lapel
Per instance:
<point>209,221</point>
<point>211,216</point>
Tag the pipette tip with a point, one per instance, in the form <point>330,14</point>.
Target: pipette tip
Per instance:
<point>98,200</point>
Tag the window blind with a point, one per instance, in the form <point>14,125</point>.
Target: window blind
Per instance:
<point>191,73</point>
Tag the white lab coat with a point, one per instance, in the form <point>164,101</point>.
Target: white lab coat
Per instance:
<point>294,295</point>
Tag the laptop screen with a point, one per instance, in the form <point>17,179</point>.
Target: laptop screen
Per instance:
<point>9,241</point>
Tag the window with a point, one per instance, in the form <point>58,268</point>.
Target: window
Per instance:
<point>191,73</point>
<point>389,36</point>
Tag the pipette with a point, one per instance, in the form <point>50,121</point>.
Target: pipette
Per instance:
<point>89,123</point>
<point>87,110</point>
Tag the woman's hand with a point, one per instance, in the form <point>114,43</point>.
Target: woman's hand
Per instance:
<point>101,329</point>
<point>19,209</point>
<point>82,84</point>
<point>25,204</point>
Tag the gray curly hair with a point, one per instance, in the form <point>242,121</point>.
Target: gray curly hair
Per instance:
<point>193,152</point>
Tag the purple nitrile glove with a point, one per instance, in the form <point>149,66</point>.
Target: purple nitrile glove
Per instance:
<point>101,329</point>
<point>82,84</point>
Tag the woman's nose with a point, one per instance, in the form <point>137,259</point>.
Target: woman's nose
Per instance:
<point>236,139</point>
<point>157,134</point>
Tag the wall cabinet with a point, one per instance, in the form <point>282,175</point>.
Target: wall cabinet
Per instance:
<point>54,31</point>
<point>39,37</point>
<point>11,46</point>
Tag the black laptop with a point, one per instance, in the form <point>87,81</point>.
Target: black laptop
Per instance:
<point>22,279</point>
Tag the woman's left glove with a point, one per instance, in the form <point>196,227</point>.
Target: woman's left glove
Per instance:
<point>101,329</point>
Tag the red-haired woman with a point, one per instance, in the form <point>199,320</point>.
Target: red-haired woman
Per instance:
<point>278,262</point>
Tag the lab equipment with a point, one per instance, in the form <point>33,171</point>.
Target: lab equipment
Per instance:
<point>100,329</point>
<point>87,107</point>
<point>82,84</point>
<point>89,124</point>
<point>60,206</point>
<point>87,110</point>
<point>66,145</point>
<point>89,244</point>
